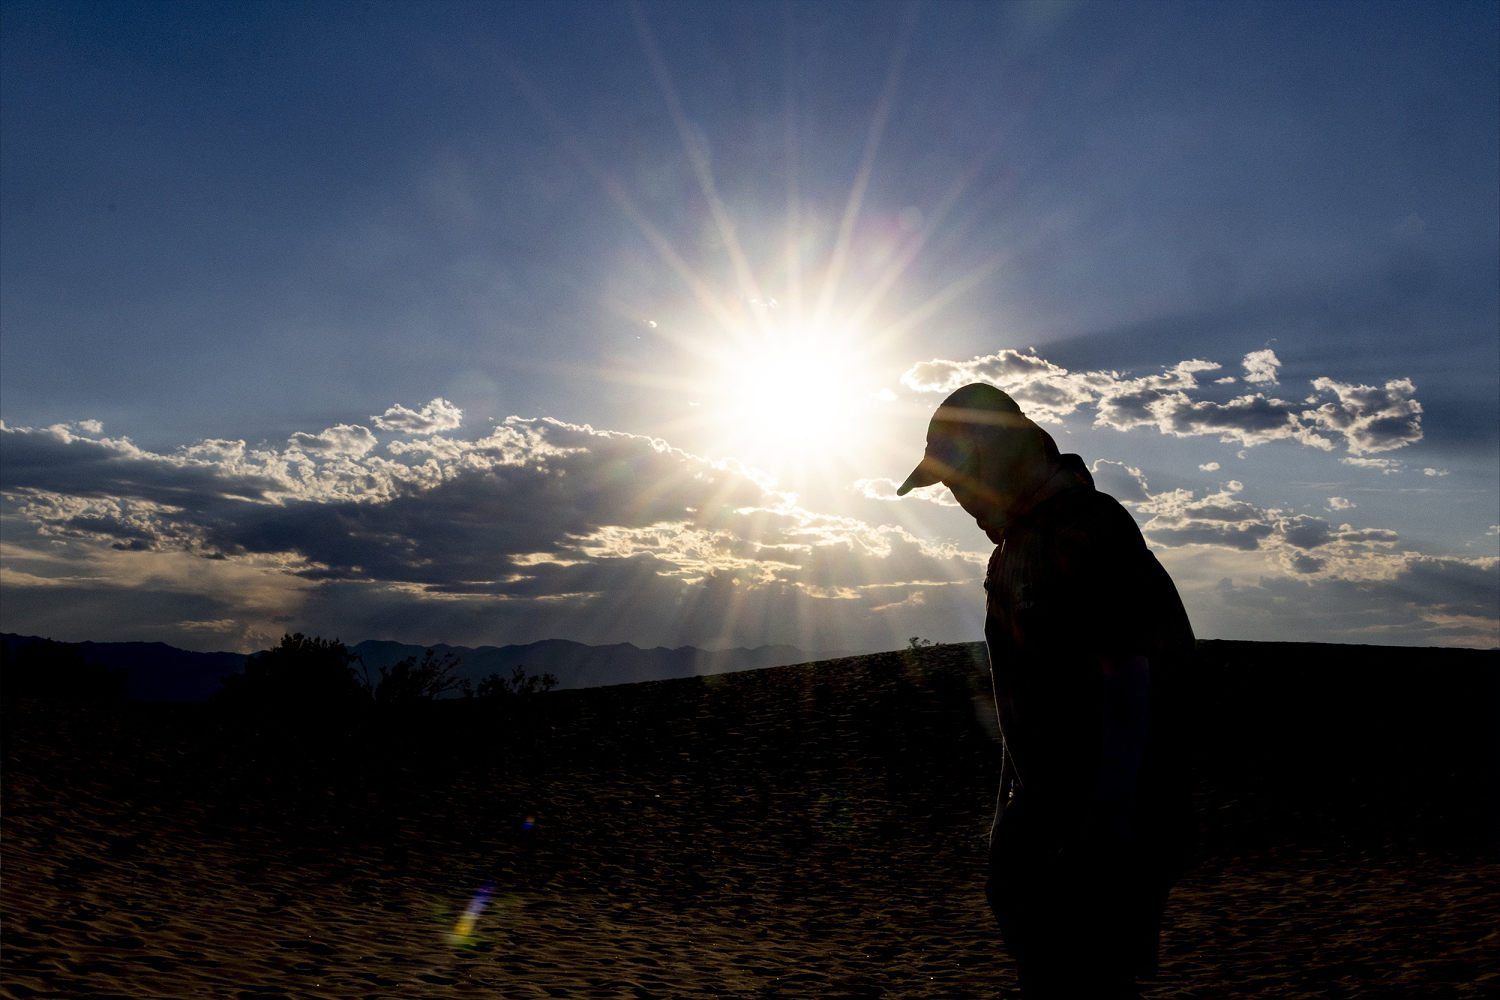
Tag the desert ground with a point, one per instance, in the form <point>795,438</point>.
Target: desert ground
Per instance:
<point>810,831</point>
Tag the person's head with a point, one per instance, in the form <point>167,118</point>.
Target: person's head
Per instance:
<point>985,450</point>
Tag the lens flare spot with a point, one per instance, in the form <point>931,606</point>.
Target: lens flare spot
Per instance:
<point>463,931</point>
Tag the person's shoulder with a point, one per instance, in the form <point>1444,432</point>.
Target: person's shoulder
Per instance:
<point>1108,508</point>
<point>1088,513</point>
<point>1085,500</point>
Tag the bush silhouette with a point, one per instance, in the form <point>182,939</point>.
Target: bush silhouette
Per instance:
<point>518,683</point>
<point>410,681</point>
<point>304,675</point>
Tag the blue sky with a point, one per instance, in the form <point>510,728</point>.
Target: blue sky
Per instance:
<point>488,323</point>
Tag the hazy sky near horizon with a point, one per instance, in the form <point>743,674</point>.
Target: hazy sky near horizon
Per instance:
<point>486,323</point>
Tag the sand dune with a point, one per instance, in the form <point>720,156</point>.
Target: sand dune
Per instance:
<point>812,831</point>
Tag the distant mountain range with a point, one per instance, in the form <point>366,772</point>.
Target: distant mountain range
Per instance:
<point>158,672</point>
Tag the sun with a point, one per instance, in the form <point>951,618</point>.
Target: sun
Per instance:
<point>793,397</point>
<point>788,394</point>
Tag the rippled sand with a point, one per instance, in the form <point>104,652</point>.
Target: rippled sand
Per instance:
<point>802,832</point>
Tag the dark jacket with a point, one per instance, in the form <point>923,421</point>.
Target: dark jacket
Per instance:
<point>1089,644</point>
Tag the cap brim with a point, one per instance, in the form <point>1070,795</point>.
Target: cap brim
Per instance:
<point>925,474</point>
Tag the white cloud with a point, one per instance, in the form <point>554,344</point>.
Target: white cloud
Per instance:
<point>539,524</point>
<point>1125,483</point>
<point>1369,418</point>
<point>881,488</point>
<point>1415,600</point>
<point>1044,390</point>
<point>1362,418</point>
<point>1341,503</point>
<point>345,439</point>
<point>1437,473</point>
<point>1209,467</point>
<point>438,415</point>
<point>217,626</point>
<point>1299,544</point>
<point>1261,366</point>
<point>1382,465</point>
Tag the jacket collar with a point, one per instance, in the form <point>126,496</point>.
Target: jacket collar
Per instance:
<point>1070,474</point>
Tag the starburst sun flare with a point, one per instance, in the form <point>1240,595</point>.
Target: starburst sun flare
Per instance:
<point>788,394</point>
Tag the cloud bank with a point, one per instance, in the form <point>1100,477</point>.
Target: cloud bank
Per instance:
<point>533,528</point>
<point>536,528</point>
<point>1293,574</point>
<point>1361,419</point>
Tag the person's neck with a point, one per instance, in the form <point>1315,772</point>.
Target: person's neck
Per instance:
<point>1057,479</point>
<point>1051,480</point>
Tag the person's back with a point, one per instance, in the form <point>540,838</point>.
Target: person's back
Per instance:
<point>1087,641</point>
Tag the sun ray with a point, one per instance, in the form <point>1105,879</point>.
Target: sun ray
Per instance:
<point>930,224</point>
<point>855,202</point>
<point>793,152</point>
<point>692,146</point>
<point>788,390</point>
<point>617,193</point>
<point>925,310</point>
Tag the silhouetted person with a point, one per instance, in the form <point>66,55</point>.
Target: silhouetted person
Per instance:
<point>1087,639</point>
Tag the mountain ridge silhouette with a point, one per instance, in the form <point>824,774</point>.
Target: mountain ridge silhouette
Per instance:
<point>157,671</point>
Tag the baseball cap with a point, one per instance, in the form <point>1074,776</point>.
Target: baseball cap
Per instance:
<point>950,432</point>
